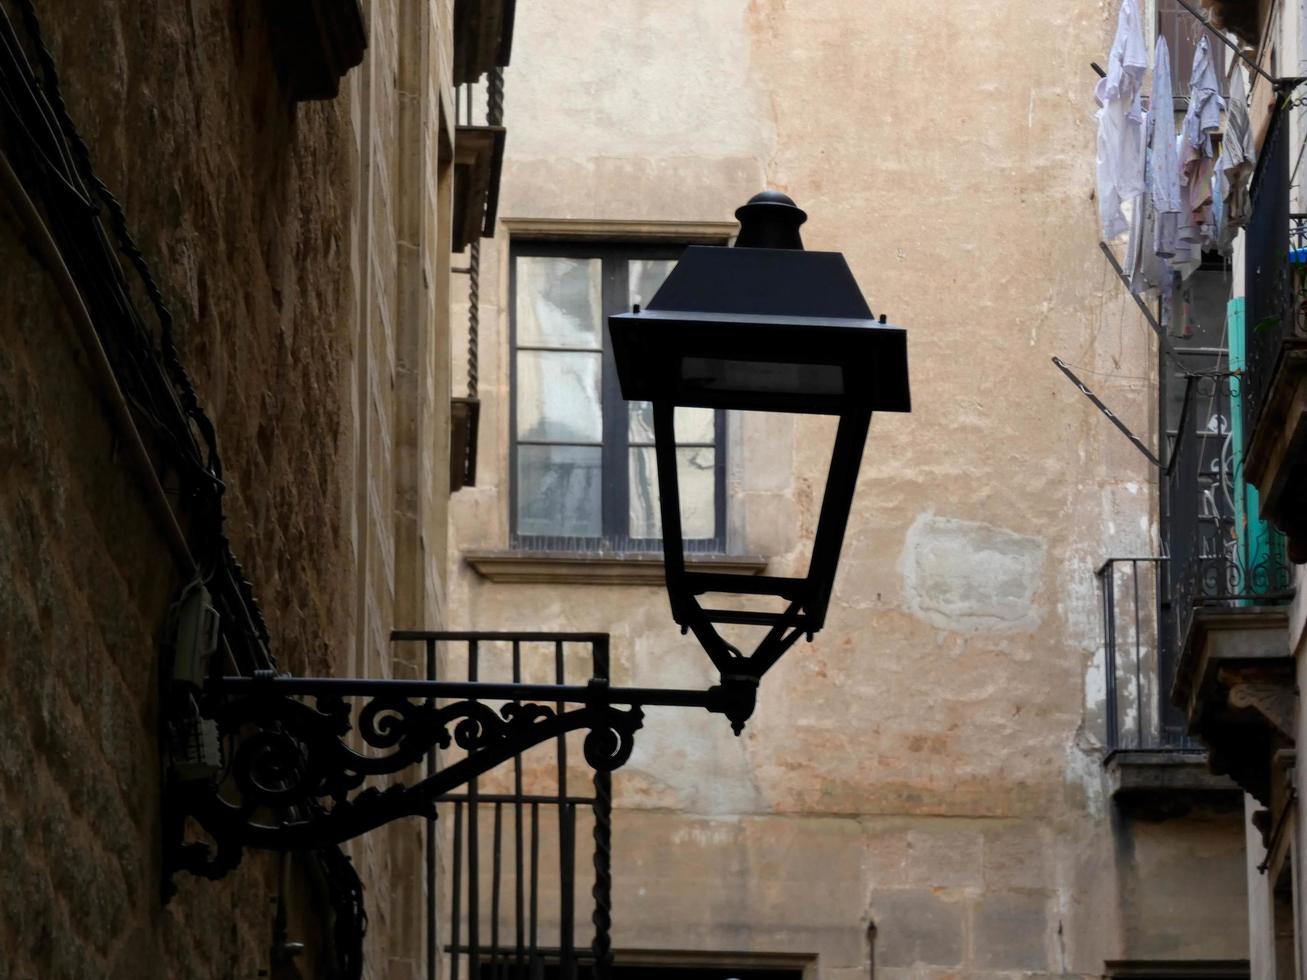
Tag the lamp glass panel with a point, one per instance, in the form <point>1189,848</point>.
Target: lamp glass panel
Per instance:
<point>559,398</point>
<point>559,302</point>
<point>763,377</point>
<point>696,476</point>
<point>559,491</point>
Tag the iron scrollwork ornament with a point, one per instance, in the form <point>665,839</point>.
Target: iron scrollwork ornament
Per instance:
<point>294,782</point>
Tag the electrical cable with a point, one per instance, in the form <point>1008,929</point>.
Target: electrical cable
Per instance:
<point>49,175</point>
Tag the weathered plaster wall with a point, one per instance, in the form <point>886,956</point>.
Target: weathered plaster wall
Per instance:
<point>932,763</point>
<point>297,246</point>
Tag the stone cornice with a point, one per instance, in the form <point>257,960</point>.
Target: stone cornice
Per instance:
<point>1236,684</point>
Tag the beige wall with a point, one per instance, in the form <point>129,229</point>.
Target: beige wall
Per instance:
<point>932,763</point>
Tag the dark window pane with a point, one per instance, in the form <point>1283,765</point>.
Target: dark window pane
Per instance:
<point>558,491</point>
<point>645,276</point>
<point>558,396</point>
<point>697,425</point>
<point>642,498</point>
<point>693,425</point>
<point>558,302</point>
<point>697,479</point>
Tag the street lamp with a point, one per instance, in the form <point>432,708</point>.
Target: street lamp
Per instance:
<point>763,327</point>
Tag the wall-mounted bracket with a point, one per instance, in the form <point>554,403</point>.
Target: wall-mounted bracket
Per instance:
<point>298,751</point>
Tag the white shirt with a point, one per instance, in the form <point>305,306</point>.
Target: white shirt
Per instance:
<point>1163,161</point>
<point>1235,166</point>
<point>1121,122</point>
<point>1201,122</point>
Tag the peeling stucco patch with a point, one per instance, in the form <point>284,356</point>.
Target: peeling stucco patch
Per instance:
<point>968,576</point>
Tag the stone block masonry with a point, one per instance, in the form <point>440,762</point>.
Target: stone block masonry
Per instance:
<point>279,262</point>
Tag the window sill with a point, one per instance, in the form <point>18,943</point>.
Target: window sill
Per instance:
<point>564,568</point>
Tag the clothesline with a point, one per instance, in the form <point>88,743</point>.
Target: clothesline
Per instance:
<point>1220,36</point>
<point>1289,82</point>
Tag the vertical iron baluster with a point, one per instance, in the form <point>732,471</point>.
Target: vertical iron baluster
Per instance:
<point>1110,667</point>
<point>534,939</point>
<point>602,892</point>
<point>567,862</point>
<point>519,904</point>
<point>473,850</point>
<point>457,891</point>
<point>1139,683</point>
<point>431,838</point>
<point>496,865</point>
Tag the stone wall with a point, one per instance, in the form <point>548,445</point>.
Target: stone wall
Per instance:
<point>297,246</point>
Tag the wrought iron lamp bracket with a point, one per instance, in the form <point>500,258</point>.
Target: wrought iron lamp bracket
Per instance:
<point>296,752</point>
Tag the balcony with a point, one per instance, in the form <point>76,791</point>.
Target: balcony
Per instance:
<point>1151,763</point>
<point>1227,585</point>
<point>1273,381</point>
<point>1184,629</point>
<point>527,845</point>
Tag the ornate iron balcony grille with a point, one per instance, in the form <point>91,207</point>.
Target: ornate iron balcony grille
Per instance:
<point>1214,559</point>
<point>1275,276</point>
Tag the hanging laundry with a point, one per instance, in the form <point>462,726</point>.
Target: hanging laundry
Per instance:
<point>1234,168</point>
<point>1153,237</point>
<point>1121,121</point>
<point>1197,160</point>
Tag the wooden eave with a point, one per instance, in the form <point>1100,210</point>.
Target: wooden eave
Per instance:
<point>315,43</point>
<point>483,37</point>
<point>478,163</point>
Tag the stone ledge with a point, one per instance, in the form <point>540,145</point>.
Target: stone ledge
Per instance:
<point>1179,969</point>
<point>1141,775</point>
<point>1235,682</point>
<point>581,568</point>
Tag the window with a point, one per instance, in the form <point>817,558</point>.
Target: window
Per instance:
<point>551,971</point>
<point>583,470</point>
<point>1182,31</point>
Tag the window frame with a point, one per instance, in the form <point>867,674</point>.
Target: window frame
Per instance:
<point>614,255</point>
<point>1187,29</point>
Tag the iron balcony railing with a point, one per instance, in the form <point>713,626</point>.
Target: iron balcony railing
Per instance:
<point>1220,554</point>
<point>1275,270</point>
<point>1216,554</point>
<point>517,878</point>
<point>1138,656</point>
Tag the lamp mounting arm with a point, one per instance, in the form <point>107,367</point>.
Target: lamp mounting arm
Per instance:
<point>297,752</point>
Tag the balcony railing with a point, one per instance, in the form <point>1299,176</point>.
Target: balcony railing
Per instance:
<point>521,881</point>
<point>1138,656</point>
<point>1275,277</point>
<point>1218,556</point>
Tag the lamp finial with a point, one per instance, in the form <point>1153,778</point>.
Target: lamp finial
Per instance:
<point>770,220</point>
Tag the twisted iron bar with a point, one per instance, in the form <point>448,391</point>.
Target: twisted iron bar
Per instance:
<point>602,890</point>
<point>495,97</point>
<point>473,314</point>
